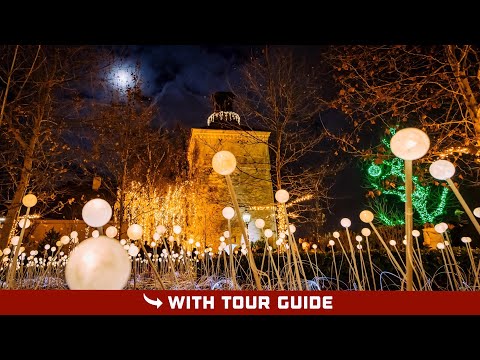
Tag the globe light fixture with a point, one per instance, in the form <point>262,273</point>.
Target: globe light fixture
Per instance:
<point>96,212</point>
<point>410,144</point>
<point>98,264</point>
<point>24,223</point>
<point>268,233</point>
<point>224,162</point>
<point>442,169</point>
<point>282,196</point>
<point>65,240</point>
<point>29,200</point>
<point>366,216</point>
<point>366,232</point>
<point>111,232</point>
<point>228,212</point>
<point>345,222</point>
<point>260,223</point>
<point>135,232</point>
<point>476,212</point>
<point>177,229</point>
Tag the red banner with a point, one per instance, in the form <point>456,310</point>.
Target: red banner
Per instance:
<point>151,302</point>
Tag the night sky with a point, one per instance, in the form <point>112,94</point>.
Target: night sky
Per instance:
<point>181,78</point>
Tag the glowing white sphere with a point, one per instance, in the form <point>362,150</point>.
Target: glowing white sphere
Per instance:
<point>161,229</point>
<point>279,242</point>
<point>366,232</point>
<point>228,212</point>
<point>336,234</point>
<point>135,232</point>
<point>156,236</point>
<point>224,162</point>
<point>111,232</point>
<point>476,212</point>
<point>153,244</point>
<point>98,264</point>
<point>74,234</point>
<point>7,251</point>
<point>410,144</point>
<point>133,250</point>
<point>123,242</point>
<point>416,233</point>
<point>392,242</point>
<point>404,242</point>
<point>331,242</point>
<point>95,233</point>
<point>14,240</point>
<point>366,216</point>
<point>345,222</point>
<point>442,169</point>
<point>268,233</point>
<point>440,246</point>
<point>282,196</point>
<point>197,244</point>
<point>222,239</point>
<point>47,246</point>
<point>281,235</point>
<point>177,229</point>
<point>65,240</point>
<point>96,212</point>
<point>190,241</point>
<point>292,229</point>
<point>359,246</point>
<point>226,234</point>
<point>23,223</point>
<point>29,200</point>
<point>358,238</point>
<point>314,246</point>
<point>260,223</point>
<point>441,227</point>
<point>466,239</point>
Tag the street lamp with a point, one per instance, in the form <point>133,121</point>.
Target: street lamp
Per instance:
<point>246,217</point>
<point>409,144</point>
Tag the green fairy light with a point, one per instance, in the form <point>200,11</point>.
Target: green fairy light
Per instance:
<point>391,172</point>
<point>374,170</point>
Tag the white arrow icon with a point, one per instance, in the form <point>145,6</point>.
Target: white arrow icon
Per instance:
<point>157,302</point>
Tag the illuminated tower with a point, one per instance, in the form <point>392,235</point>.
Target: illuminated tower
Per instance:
<point>251,179</point>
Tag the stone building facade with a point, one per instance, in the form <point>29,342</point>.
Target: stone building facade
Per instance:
<point>251,180</point>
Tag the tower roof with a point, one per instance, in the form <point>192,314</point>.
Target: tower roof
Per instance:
<point>223,115</point>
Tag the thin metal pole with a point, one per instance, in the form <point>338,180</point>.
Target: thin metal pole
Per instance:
<point>409,224</point>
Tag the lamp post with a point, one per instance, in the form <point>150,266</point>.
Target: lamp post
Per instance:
<point>228,213</point>
<point>28,201</point>
<point>409,144</point>
<point>246,217</point>
<point>225,163</point>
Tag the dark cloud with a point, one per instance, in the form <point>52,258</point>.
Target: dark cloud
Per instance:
<point>181,78</point>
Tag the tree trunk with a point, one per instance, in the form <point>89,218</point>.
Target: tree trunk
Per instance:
<point>464,87</point>
<point>14,207</point>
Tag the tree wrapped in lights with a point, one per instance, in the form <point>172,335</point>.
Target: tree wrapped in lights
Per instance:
<point>386,181</point>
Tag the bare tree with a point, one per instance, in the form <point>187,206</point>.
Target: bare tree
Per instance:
<point>35,86</point>
<point>435,88</point>
<point>124,149</point>
<point>282,93</point>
